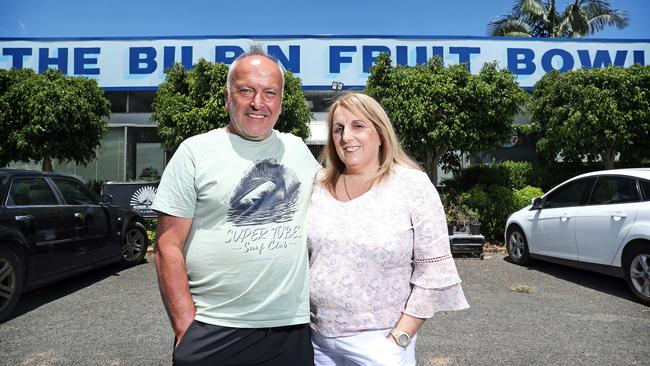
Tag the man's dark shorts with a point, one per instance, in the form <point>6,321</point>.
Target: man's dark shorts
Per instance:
<point>207,344</point>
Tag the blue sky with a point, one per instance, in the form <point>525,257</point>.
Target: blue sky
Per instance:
<point>110,18</point>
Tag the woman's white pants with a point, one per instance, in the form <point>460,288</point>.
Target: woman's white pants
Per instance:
<point>369,348</point>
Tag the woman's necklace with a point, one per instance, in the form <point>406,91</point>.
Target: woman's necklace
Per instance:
<point>345,186</point>
<point>347,193</point>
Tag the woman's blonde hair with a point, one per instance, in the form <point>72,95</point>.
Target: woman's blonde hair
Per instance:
<point>391,152</point>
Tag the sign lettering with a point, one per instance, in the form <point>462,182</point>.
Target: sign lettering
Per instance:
<point>318,60</point>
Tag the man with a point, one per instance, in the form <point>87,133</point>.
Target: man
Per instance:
<point>231,258</point>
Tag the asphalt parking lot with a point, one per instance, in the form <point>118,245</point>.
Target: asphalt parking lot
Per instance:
<point>542,315</point>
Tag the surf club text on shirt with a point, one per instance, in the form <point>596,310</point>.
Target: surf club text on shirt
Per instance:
<point>261,239</point>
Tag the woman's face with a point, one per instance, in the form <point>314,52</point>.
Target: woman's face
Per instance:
<point>357,141</point>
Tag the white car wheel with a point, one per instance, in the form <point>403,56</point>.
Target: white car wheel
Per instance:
<point>517,246</point>
<point>637,273</point>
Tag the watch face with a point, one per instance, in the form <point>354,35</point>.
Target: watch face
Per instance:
<point>403,339</point>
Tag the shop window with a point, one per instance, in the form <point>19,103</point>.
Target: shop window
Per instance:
<point>320,100</point>
<point>110,156</point>
<point>118,101</point>
<point>140,102</point>
<point>146,156</point>
<point>150,160</point>
<point>107,165</point>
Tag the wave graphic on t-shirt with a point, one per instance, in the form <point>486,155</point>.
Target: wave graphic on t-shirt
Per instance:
<point>267,193</point>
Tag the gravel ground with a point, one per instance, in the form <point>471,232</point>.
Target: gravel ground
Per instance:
<point>543,315</point>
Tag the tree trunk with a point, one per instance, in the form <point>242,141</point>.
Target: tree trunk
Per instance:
<point>608,158</point>
<point>431,161</point>
<point>47,165</point>
<point>431,165</point>
<point>434,169</point>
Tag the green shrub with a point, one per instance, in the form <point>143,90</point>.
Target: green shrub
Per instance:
<point>480,174</point>
<point>150,225</point>
<point>494,204</point>
<point>547,176</point>
<point>518,173</point>
<point>95,185</point>
<point>523,197</point>
<point>151,235</point>
<point>510,174</point>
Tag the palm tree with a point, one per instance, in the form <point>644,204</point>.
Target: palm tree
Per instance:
<point>533,18</point>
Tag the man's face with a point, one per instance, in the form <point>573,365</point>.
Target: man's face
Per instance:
<point>254,99</point>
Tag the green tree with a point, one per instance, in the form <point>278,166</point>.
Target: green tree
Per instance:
<point>441,112</point>
<point>580,18</point>
<point>50,116</point>
<point>192,101</point>
<point>593,114</point>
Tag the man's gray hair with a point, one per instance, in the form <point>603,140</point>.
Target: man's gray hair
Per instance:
<point>256,50</point>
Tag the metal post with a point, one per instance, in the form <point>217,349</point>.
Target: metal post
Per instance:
<point>126,142</point>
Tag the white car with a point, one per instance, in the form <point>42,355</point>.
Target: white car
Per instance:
<point>599,221</point>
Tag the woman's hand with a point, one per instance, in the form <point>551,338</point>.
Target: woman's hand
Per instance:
<point>408,324</point>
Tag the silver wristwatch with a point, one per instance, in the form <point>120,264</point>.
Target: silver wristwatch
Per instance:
<point>402,338</point>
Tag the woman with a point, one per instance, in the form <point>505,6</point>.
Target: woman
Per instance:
<point>379,249</point>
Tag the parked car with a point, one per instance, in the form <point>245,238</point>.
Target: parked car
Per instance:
<point>598,221</point>
<point>52,227</point>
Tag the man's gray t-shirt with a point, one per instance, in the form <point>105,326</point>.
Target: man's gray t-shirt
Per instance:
<point>246,252</point>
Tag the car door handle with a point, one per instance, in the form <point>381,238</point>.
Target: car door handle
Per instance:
<point>618,216</point>
<point>80,215</point>
<point>24,218</point>
<point>564,218</point>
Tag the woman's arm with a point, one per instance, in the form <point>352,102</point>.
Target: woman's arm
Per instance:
<point>435,284</point>
<point>408,324</point>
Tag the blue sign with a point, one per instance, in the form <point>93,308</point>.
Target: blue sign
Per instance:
<point>140,63</point>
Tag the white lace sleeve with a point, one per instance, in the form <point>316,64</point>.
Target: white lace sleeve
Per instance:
<point>424,303</point>
<point>434,267</point>
<point>435,278</point>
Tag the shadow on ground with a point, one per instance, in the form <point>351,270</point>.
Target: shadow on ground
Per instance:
<point>38,297</point>
<point>596,281</point>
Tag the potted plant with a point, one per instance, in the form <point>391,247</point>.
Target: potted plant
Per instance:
<point>475,227</point>
<point>450,223</point>
<point>149,174</point>
<point>462,219</point>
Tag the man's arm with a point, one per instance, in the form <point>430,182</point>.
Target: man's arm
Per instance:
<point>172,273</point>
